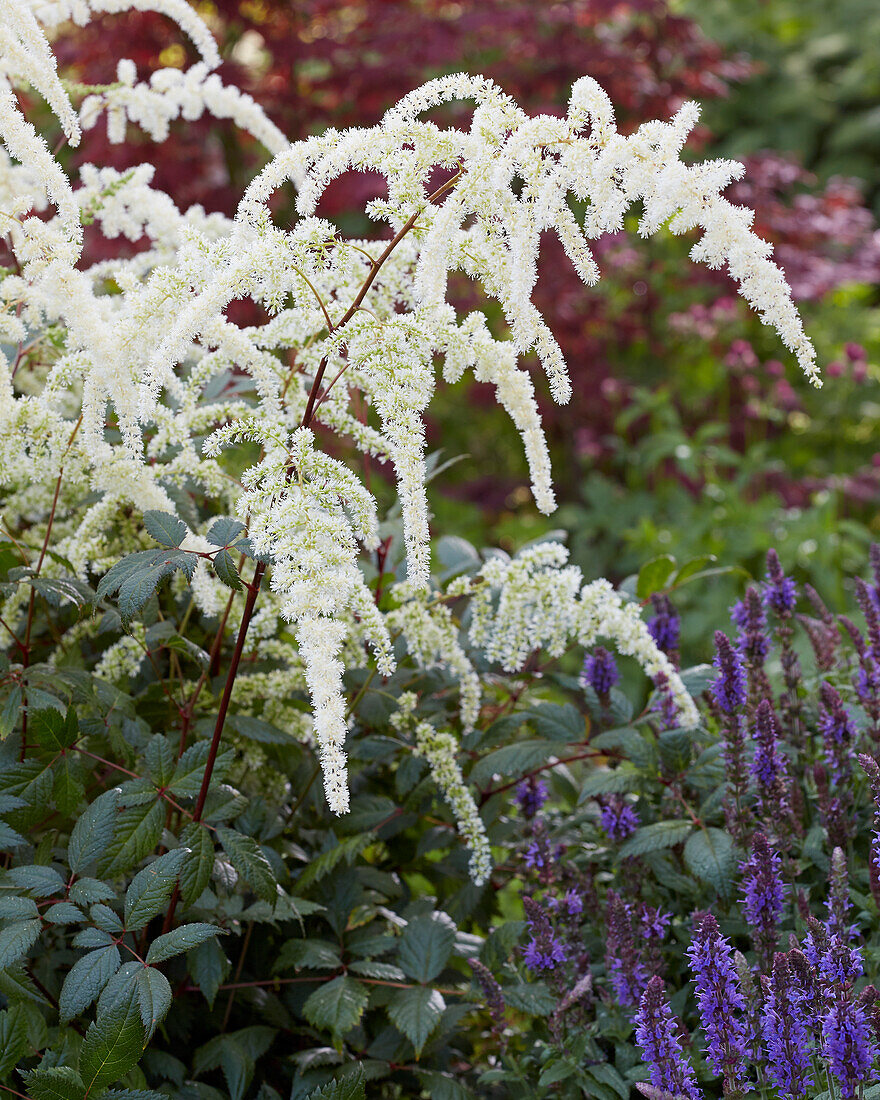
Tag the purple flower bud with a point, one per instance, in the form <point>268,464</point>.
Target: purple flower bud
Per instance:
<point>531,795</point>
<point>764,896</point>
<point>721,1003</point>
<point>573,903</point>
<point>838,734</point>
<point>729,686</point>
<point>770,770</point>
<point>665,626</point>
<point>493,996</point>
<point>748,615</point>
<point>838,898</point>
<point>623,963</point>
<point>786,1038</point>
<point>657,1033</point>
<point>780,592</point>
<point>618,819</point>
<point>600,672</point>
<point>544,951</point>
<point>848,1045</point>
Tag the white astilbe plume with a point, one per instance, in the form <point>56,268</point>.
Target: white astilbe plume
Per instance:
<point>440,749</point>
<point>537,601</point>
<point>116,372</point>
<point>431,635</point>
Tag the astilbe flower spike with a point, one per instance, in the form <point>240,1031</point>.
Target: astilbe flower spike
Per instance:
<point>764,895</point>
<point>720,1002</point>
<point>787,1042</point>
<point>657,1033</point>
<point>156,349</point>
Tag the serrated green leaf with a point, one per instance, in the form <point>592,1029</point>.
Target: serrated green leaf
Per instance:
<point>346,850</point>
<point>662,834</point>
<point>443,1086</point>
<point>55,1083</point>
<point>93,831</point>
<point>225,569</point>
<point>620,780</point>
<point>557,722</point>
<point>160,760</point>
<point>224,531</point>
<point>10,712</point>
<point>16,940</point>
<point>533,998</point>
<point>337,1005</point>
<point>12,908</point>
<point>208,966</point>
<point>151,888</point>
<point>308,954</point>
<point>180,940</point>
<point>105,918</point>
<point>691,568</point>
<point>711,856</point>
<point>154,998</point>
<point>511,760</point>
<point>35,879</point>
<point>113,1044</point>
<point>426,945</point>
<point>255,729</point>
<point>187,778</point>
<point>138,830</point>
<point>417,1012</point>
<point>14,1040</point>
<point>653,576</point>
<point>87,890</point>
<point>247,858</point>
<point>164,528</point>
<point>64,912</point>
<point>53,730</point>
<point>195,872</point>
<point>350,1087</point>
<point>9,838</point>
<point>85,980</point>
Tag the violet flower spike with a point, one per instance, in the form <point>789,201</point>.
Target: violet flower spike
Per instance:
<point>657,1032</point>
<point>770,769</point>
<point>544,951</point>
<point>531,795</point>
<point>729,694</point>
<point>721,1003</point>
<point>764,897</point>
<point>600,673</point>
<point>786,1038</point>
<point>848,1045</point>
<point>623,963</point>
<point>665,627</point>
<point>619,818</point>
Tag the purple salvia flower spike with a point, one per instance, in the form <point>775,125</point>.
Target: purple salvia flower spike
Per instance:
<point>848,1045</point>
<point>763,897</point>
<point>623,963</point>
<point>721,1004</point>
<point>531,795</point>
<point>600,673</point>
<point>786,1037</point>
<point>657,1033</point>
<point>729,694</point>
<point>619,818</point>
<point>780,591</point>
<point>770,770</point>
<point>665,627</point>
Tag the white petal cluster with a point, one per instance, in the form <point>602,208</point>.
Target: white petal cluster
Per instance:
<point>440,749</point>
<point>538,602</point>
<point>117,372</point>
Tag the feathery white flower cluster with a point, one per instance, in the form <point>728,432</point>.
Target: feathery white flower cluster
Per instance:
<point>537,601</point>
<point>117,371</point>
<point>440,749</point>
